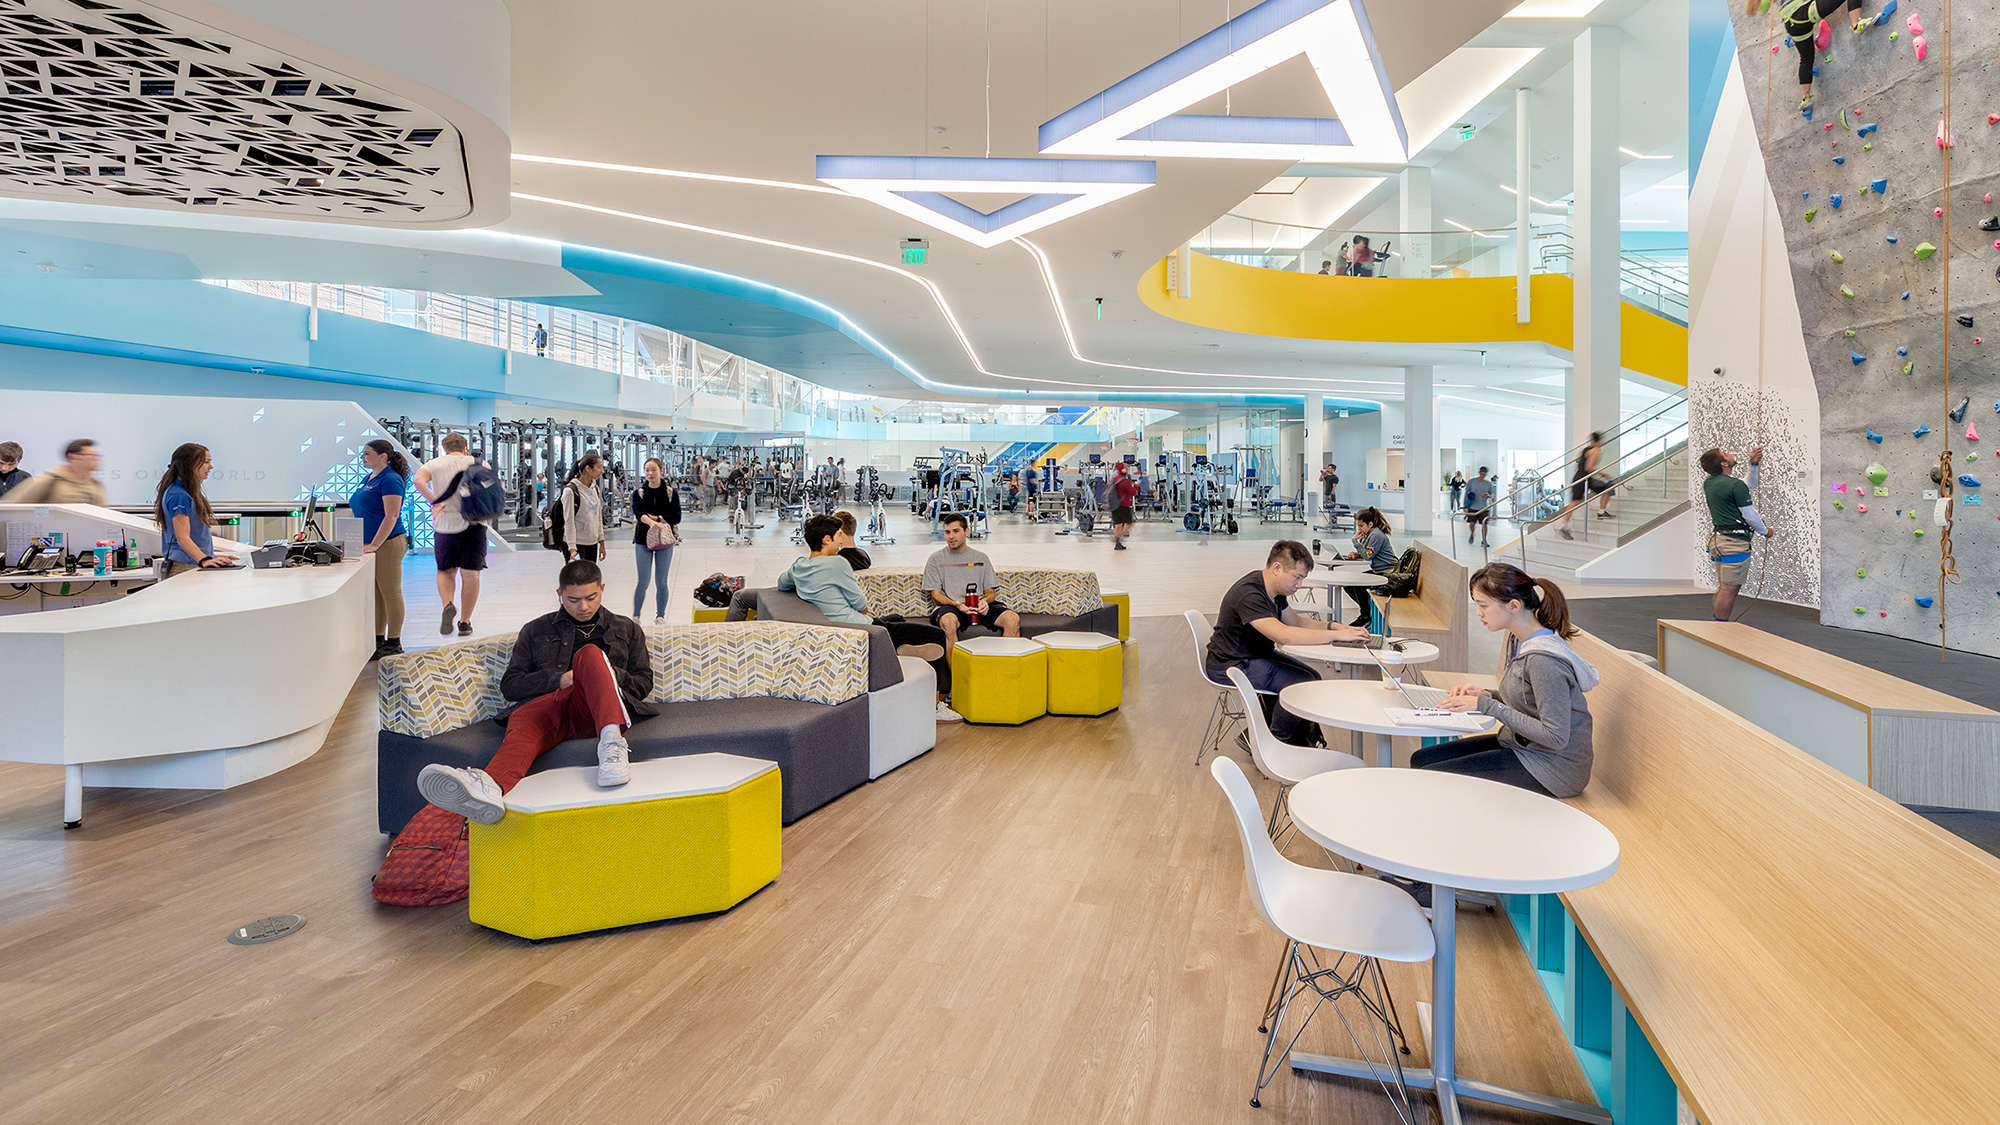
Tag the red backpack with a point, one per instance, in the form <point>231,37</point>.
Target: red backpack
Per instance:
<point>428,862</point>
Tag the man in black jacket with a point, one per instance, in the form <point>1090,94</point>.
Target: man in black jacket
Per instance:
<point>580,671</point>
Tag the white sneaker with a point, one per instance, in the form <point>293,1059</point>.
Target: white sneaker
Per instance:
<point>469,792</point>
<point>614,760</point>
<point>946,715</point>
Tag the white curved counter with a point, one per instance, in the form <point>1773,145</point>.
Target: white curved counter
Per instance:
<point>204,681</point>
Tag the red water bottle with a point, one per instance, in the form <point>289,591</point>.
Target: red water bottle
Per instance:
<point>972,601</point>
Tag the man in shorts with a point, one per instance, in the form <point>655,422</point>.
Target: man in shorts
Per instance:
<point>959,573</point>
<point>1735,518</point>
<point>460,548</point>
<point>1479,494</point>
<point>1125,489</point>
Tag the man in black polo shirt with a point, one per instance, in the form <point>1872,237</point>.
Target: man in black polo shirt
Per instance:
<point>1255,619</point>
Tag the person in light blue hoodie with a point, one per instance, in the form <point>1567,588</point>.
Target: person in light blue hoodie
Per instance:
<point>826,580</point>
<point>1544,739</point>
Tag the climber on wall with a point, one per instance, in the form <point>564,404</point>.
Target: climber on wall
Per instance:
<point>1804,20</point>
<point>1735,517</point>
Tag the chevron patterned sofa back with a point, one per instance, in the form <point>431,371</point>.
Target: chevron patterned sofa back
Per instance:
<point>1048,600</point>
<point>796,695</point>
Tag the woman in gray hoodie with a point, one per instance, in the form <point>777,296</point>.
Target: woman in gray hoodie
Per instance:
<point>1544,739</point>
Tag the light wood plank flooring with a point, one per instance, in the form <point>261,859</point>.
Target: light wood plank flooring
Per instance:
<point>1043,924</point>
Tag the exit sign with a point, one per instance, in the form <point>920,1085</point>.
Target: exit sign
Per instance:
<point>914,250</point>
<point>1465,132</point>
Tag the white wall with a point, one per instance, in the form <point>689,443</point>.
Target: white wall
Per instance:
<point>1730,207</point>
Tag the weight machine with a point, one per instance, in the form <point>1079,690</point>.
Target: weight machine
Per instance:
<point>868,485</point>
<point>1211,508</point>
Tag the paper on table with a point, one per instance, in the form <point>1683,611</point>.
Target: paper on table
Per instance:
<point>1405,717</point>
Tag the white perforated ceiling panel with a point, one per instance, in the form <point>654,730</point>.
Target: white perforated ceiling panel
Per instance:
<point>127,103</point>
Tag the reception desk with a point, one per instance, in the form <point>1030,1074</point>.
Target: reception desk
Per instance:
<point>204,681</point>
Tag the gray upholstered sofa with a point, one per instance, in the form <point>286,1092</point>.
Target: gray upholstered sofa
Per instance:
<point>798,695</point>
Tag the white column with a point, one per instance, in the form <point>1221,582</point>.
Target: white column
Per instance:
<point>1414,195</point>
<point>1523,228</point>
<point>1420,474</point>
<point>1312,440</point>
<point>1594,376</point>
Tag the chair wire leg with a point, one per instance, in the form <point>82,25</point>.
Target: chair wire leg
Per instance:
<point>1211,735</point>
<point>1271,1000</point>
<point>1277,810</point>
<point>1287,990</point>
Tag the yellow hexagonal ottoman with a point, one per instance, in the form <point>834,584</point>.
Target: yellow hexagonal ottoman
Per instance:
<point>999,680</point>
<point>688,835</point>
<point>1086,673</point>
<point>1123,601</point>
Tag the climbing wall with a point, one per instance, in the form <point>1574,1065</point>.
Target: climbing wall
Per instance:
<point>1861,197</point>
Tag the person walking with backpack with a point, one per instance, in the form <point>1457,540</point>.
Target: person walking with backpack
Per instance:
<point>583,511</point>
<point>1371,543</point>
<point>459,544</point>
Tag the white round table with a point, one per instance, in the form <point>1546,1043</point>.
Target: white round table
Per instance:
<point>1411,654</point>
<point>1349,576</point>
<point>1362,706</point>
<point>1457,833</point>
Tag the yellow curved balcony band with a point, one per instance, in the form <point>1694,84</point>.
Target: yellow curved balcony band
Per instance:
<point>1394,310</point>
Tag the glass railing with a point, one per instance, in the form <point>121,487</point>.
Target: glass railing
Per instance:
<point>1655,279</point>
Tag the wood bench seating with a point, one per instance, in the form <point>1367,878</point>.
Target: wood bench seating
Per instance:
<point>1794,946</point>
<point>1440,613</point>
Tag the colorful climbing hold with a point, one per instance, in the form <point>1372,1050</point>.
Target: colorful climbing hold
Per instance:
<point>1860,572</point>
<point>1972,432</point>
<point>1868,146</point>
<point>1923,51</point>
<point>1838,160</point>
<point>1876,471</point>
<point>1864,130</point>
<point>1924,251</point>
<point>1837,259</point>
<point>1869,431</point>
<point>1858,609</point>
<point>1879,187</point>
<point>1922,429</point>
<point>1906,368</point>
<point>1839,505</point>
<point>1834,201</point>
<point>1968,480</point>
<point>1843,121</point>
<point>1856,358</point>
<point>1846,291</point>
<point>1965,320</point>
<point>1902,351</point>
<point>1890,238</point>
<point>1849,333</point>
<point>1892,39</point>
<point>1906,296</point>
<point>1925,601</point>
<point>1915,25</point>
<point>1972,455</point>
<point>1862,508</point>
<point>1958,412</point>
<point>1885,613</point>
<point>1970,498</point>
<point>1810,212</point>
<point>1916,531</point>
<point>1937,212</point>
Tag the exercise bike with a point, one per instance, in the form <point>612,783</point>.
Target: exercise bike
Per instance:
<point>740,526</point>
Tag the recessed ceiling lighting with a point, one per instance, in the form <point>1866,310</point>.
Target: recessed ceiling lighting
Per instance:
<point>1532,198</point>
<point>1641,155</point>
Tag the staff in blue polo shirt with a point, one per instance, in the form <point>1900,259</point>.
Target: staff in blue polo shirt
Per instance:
<point>379,503</point>
<point>183,512</point>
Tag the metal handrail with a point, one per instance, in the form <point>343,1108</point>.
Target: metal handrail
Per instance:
<point>1529,527</point>
<point>1624,425</point>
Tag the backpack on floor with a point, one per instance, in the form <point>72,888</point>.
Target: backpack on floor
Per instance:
<point>552,524</point>
<point>428,862</point>
<point>1401,581</point>
<point>717,589</point>
<point>481,499</point>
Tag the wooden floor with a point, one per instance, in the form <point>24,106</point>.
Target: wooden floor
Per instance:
<point>1043,924</point>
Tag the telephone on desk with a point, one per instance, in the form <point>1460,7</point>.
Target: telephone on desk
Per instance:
<point>38,558</point>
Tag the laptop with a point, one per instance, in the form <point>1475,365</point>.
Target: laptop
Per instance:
<point>1423,709</point>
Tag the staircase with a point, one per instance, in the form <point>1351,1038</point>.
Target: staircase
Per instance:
<point>1654,492</point>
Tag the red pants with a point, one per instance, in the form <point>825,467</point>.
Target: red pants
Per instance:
<point>581,710</point>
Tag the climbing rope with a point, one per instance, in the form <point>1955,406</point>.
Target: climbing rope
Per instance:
<point>1947,565</point>
<point>1763,256</point>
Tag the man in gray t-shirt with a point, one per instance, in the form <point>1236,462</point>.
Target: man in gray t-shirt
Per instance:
<point>1479,493</point>
<point>957,573</point>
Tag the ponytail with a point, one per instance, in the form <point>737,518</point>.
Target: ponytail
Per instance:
<point>1505,583</point>
<point>398,464</point>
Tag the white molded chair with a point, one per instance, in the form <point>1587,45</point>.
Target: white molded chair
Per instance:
<point>1363,921</point>
<point>1281,761</point>
<point>1224,715</point>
